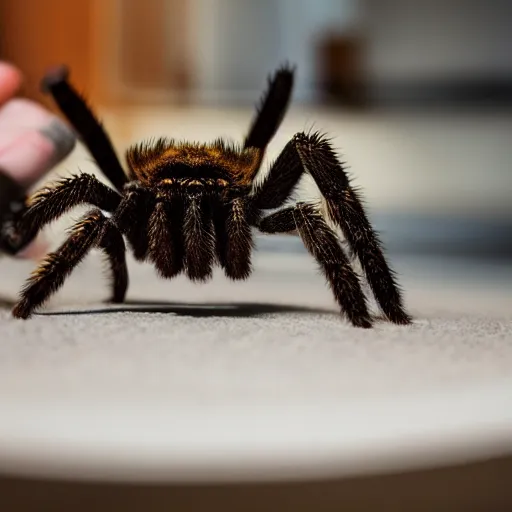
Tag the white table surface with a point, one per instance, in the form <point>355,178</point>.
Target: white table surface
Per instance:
<point>269,385</point>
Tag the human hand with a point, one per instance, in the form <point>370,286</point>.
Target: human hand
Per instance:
<point>32,139</point>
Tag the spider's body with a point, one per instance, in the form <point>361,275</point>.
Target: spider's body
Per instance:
<point>150,163</point>
<point>188,206</point>
<point>201,214</point>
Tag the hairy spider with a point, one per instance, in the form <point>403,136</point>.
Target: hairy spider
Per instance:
<point>188,206</point>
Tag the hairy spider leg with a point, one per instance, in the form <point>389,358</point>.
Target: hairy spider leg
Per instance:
<point>165,235</point>
<point>313,154</point>
<point>322,243</point>
<point>199,235</point>
<point>132,217</point>
<point>94,230</point>
<point>86,124</point>
<point>193,227</point>
<point>179,228</point>
<point>53,201</point>
<point>234,242</point>
<point>271,109</point>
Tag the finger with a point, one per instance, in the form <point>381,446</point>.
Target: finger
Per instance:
<point>10,81</point>
<point>32,141</point>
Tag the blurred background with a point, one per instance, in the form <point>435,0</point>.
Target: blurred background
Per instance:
<point>417,95</point>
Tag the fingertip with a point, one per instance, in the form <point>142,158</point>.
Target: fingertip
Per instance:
<point>32,140</point>
<point>10,81</point>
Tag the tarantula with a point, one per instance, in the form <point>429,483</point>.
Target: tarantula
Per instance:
<point>188,206</point>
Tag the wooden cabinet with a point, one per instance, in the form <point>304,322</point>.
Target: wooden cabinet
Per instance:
<point>117,49</point>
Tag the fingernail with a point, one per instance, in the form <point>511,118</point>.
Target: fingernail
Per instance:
<point>61,137</point>
<point>10,80</point>
<point>27,158</point>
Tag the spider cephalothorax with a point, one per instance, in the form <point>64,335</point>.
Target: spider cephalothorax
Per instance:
<point>188,206</point>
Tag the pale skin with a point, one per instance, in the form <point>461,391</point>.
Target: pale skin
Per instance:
<point>28,140</point>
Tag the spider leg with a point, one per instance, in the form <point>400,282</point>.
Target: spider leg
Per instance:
<point>111,241</point>
<point>51,202</point>
<point>199,237</point>
<point>31,215</point>
<point>234,237</point>
<point>80,115</point>
<point>132,217</point>
<point>322,243</point>
<point>314,154</point>
<point>94,230</point>
<point>281,181</point>
<point>345,208</point>
<point>166,246</point>
<point>271,110</point>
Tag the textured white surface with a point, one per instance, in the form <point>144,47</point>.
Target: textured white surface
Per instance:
<point>274,339</point>
<point>270,384</point>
